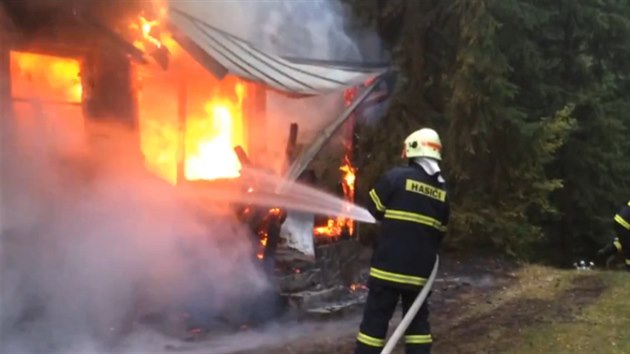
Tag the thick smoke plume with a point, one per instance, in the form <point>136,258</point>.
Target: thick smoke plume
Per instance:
<point>90,242</point>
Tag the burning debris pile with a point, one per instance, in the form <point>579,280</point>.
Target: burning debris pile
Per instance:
<point>139,185</point>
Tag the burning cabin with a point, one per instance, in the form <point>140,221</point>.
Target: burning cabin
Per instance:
<point>193,95</point>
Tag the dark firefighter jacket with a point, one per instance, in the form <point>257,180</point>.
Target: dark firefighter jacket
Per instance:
<point>622,241</point>
<point>623,217</point>
<point>413,209</point>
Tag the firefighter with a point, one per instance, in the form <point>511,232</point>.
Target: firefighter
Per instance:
<point>411,204</point>
<point>621,243</point>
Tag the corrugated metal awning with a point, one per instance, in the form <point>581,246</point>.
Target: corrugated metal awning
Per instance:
<point>238,57</point>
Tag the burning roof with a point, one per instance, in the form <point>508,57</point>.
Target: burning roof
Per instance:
<point>242,59</point>
<point>215,48</point>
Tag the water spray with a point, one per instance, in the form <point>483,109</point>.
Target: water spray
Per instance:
<point>413,310</point>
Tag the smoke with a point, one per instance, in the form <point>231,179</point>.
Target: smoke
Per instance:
<point>313,29</point>
<point>90,243</point>
<point>312,114</point>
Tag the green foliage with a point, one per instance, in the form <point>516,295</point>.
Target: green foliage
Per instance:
<point>485,73</point>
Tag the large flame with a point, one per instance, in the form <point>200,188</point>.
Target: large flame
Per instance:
<point>201,126</point>
<point>210,141</point>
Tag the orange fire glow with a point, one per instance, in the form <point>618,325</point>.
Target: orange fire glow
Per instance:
<point>45,77</point>
<point>210,140</point>
<point>148,34</point>
<point>47,92</point>
<point>264,237</point>
<point>197,129</point>
<point>335,226</point>
<point>146,26</point>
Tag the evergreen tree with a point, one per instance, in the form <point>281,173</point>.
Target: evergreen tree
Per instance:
<point>485,73</point>
<point>586,46</point>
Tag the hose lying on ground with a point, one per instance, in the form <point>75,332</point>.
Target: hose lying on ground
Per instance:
<point>413,310</point>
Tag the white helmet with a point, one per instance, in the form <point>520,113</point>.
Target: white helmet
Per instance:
<point>423,143</point>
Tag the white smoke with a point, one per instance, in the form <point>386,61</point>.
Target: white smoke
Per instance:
<point>91,241</point>
<point>312,29</point>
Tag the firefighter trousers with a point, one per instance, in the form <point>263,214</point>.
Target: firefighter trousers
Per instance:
<point>623,235</point>
<point>379,309</point>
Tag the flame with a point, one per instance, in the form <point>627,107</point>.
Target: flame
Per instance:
<point>202,138</point>
<point>335,227</point>
<point>148,33</point>
<point>210,143</point>
<point>146,27</point>
<point>263,243</point>
<point>46,77</point>
<point>264,236</point>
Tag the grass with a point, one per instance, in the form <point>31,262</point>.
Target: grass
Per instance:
<point>601,327</point>
<point>547,311</point>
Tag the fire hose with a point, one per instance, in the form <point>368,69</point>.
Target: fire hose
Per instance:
<point>413,310</point>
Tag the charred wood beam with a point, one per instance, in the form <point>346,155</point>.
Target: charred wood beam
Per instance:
<point>292,142</point>
<point>272,226</point>
<point>136,54</point>
<point>242,156</point>
<point>300,164</point>
<point>43,18</point>
<point>161,56</point>
<point>6,125</point>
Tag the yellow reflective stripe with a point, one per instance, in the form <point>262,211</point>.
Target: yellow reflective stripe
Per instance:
<point>377,201</point>
<point>419,339</point>
<point>617,245</point>
<point>397,278</point>
<point>627,261</point>
<point>414,217</point>
<point>619,220</point>
<point>628,203</point>
<point>371,341</point>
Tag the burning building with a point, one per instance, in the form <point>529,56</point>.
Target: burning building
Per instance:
<point>191,95</point>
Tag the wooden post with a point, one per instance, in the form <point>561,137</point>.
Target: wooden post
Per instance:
<point>255,122</point>
<point>5,82</point>
<point>182,101</point>
<point>6,121</point>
